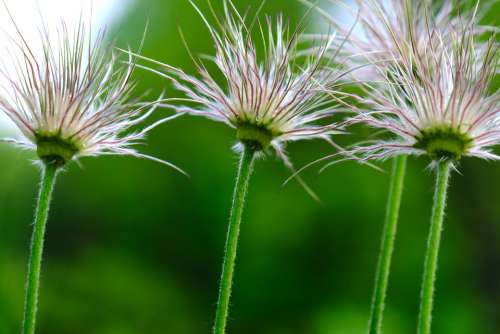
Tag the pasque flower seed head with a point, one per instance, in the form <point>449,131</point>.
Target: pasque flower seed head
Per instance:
<point>438,100</point>
<point>72,98</point>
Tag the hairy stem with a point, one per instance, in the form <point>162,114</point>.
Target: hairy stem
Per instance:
<point>387,245</point>
<point>431,257</point>
<point>244,172</point>
<point>35,260</point>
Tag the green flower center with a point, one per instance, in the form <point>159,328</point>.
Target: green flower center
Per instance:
<point>53,149</point>
<point>256,136</point>
<point>444,143</point>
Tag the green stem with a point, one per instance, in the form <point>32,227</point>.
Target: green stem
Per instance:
<point>35,261</point>
<point>431,257</point>
<point>244,172</point>
<point>387,245</point>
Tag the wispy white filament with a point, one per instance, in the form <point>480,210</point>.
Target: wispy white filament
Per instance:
<point>29,13</point>
<point>373,29</point>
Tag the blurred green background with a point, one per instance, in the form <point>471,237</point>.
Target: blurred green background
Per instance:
<point>134,247</point>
